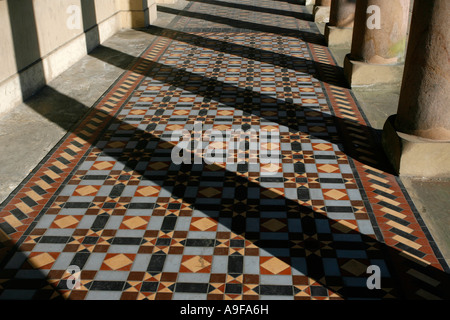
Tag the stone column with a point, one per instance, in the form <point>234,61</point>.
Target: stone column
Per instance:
<point>379,42</point>
<point>339,31</point>
<point>322,11</point>
<point>138,13</point>
<point>166,1</point>
<point>417,139</point>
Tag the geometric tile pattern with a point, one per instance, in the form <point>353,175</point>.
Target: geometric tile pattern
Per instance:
<point>110,200</point>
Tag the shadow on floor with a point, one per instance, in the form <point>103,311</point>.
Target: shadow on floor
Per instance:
<point>241,6</point>
<point>309,37</point>
<point>306,240</point>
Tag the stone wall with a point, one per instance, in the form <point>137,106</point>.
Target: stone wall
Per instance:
<point>40,39</point>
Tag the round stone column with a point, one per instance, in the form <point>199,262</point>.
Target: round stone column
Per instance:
<point>339,30</point>
<point>137,13</point>
<point>379,42</point>
<point>322,11</point>
<point>417,139</point>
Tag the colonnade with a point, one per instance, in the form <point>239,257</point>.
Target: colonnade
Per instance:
<point>406,43</point>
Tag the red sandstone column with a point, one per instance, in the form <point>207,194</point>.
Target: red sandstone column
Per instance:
<point>379,42</point>
<point>417,139</point>
<point>339,30</point>
<point>424,108</point>
<point>322,11</point>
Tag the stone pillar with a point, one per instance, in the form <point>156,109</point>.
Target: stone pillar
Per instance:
<point>339,31</point>
<point>379,42</point>
<point>138,13</point>
<point>417,139</point>
<point>322,11</point>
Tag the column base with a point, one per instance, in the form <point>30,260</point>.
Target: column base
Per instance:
<point>365,74</point>
<point>338,37</point>
<point>321,14</point>
<point>414,156</point>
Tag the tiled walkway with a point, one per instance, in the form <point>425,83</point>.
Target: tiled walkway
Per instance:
<point>110,200</point>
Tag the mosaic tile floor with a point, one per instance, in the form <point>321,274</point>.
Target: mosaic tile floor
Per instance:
<point>110,200</point>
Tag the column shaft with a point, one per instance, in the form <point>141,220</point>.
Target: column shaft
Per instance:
<point>379,39</point>
<point>387,44</point>
<point>424,107</point>
<point>342,13</point>
<point>339,30</point>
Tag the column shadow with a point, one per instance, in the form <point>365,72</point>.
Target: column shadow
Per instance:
<point>303,35</point>
<point>290,120</point>
<point>309,242</point>
<point>241,6</point>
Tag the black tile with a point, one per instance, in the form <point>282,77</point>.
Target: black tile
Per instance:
<point>80,259</point>
<point>339,209</point>
<point>322,157</point>
<point>386,195</point>
<point>149,286</point>
<point>237,243</point>
<point>174,206</point>
<point>397,219</point>
<point>200,242</point>
<point>109,205</point>
<point>48,179</point>
<point>7,228</point>
<point>19,214</point>
<point>29,202</point>
<point>318,291</point>
<point>235,264</point>
<point>70,151</point>
<point>163,241</point>
<point>404,234</point>
<point>169,223</point>
<point>156,263</point>
<point>95,177</point>
<point>77,205</point>
<point>63,160</point>
<point>276,290</point>
<point>90,240</point>
<point>55,169</point>
<point>127,241</point>
<point>233,288</point>
<point>100,222</point>
<point>191,287</point>
<point>384,185</point>
<point>299,167</point>
<point>38,190</point>
<point>140,205</point>
<point>331,180</point>
<point>117,190</point>
<point>54,239</point>
<point>413,251</point>
<point>303,194</point>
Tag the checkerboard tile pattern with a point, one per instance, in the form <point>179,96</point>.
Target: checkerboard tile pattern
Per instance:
<point>111,201</point>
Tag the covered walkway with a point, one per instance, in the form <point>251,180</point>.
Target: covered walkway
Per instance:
<point>110,200</point>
